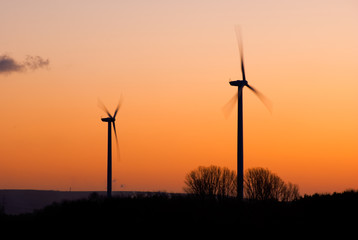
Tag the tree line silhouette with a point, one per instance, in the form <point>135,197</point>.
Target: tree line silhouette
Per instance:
<point>220,182</point>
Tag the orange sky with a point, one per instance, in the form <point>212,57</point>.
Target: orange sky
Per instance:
<point>172,61</point>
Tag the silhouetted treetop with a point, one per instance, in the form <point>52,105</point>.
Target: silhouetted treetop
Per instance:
<point>211,181</point>
<point>262,184</point>
<point>259,184</point>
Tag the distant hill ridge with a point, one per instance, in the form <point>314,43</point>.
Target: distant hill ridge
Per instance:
<point>15,202</point>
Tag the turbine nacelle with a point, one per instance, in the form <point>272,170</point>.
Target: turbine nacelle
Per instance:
<point>238,83</point>
<point>108,119</point>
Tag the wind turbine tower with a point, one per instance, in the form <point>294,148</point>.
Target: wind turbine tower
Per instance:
<point>240,84</point>
<point>110,120</point>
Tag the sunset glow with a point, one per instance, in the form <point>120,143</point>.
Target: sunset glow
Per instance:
<point>172,61</point>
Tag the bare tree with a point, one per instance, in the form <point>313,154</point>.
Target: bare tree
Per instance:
<point>291,192</point>
<point>261,184</point>
<point>211,181</point>
<point>228,183</point>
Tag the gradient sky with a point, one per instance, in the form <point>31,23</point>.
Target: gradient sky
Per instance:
<point>172,61</point>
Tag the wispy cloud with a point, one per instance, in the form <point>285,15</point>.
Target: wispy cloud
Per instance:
<point>9,65</point>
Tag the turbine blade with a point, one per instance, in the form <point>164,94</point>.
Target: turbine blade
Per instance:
<point>241,49</point>
<point>117,144</point>
<point>101,105</point>
<point>115,132</point>
<point>262,97</point>
<point>118,107</point>
<point>229,106</point>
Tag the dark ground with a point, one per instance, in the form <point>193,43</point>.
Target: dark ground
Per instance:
<point>337,212</point>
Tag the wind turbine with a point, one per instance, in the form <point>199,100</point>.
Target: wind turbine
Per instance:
<point>110,120</point>
<point>240,84</point>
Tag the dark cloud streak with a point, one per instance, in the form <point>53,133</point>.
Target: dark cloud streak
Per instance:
<point>36,62</point>
<point>9,65</point>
